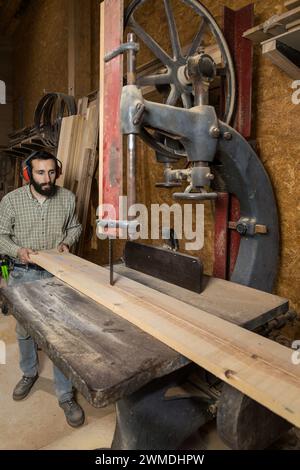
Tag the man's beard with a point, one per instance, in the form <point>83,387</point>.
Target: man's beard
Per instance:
<point>43,189</point>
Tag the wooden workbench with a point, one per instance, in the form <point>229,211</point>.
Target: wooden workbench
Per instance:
<point>108,357</point>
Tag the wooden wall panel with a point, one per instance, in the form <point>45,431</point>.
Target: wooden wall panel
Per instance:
<point>40,57</point>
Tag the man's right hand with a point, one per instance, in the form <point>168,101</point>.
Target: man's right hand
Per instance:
<point>24,253</point>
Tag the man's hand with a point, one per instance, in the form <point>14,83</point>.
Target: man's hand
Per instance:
<point>24,253</point>
<point>63,248</point>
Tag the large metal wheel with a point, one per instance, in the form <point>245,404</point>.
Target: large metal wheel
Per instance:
<point>171,76</point>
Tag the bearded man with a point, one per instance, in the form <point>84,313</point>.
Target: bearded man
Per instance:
<point>38,216</point>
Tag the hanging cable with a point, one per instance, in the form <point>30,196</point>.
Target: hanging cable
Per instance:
<point>50,111</point>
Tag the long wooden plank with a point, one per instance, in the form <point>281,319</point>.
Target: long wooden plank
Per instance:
<point>268,29</point>
<point>293,24</point>
<point>289,38</point>
<point>255,365</point>
<point>86,159</point>
<point>66,147</point>
<point>291,4</point>
<point>269,50</point>
<point>233,302</point>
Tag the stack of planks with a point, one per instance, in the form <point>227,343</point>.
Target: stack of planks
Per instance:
<point>277,24</point>
<point>280,39</point>
<point>257,366</point>
<point>77,150</point>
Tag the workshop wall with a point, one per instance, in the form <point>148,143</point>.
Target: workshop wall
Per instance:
<point>6,115</point>
<point>41,54</point>
<point>278,143</point>
<point>95,44</point>
<point>40,57</point>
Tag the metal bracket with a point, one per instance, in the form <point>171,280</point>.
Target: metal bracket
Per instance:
<point>200,196</point>
<point>122,224</point>
<point>246,226</point>
<point>127,46</point>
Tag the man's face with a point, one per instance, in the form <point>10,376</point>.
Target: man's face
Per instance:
<point>44,176</point>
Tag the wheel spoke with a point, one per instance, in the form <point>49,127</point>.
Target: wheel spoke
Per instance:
<point>155,79</point>
<point>151,43</point>
<point>173,96</point>
<point>173,31</point>
<point>174,58</point>
<point>197,39</point>
<point>186,100</point>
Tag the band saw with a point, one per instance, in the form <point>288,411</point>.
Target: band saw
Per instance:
<point>162,402</point>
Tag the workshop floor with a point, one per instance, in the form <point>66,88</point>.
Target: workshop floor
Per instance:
<point>38,423</point>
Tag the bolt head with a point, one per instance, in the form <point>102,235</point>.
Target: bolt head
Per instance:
<point>215,132</point>
<point>227,135</point>
<point>241,229</point>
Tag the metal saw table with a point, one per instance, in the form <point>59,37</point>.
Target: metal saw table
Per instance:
<point>108,358</point>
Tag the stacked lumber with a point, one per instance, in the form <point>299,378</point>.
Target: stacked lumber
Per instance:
<point>44,134</point>
<point>257,366</point>
<point>77,150</point>
<point>276,25</point>
<point>279,38</point>
<point>66,148</point>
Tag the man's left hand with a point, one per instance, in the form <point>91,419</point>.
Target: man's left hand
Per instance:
<point>63,248</point>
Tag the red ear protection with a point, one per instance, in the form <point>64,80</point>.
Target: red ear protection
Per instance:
<point>25,174</point>
<point>26,169</point>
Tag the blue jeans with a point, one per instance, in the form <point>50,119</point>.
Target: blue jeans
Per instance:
<point>27,346</point>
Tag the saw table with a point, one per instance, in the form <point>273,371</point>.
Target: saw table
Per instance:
<point>109,358</point>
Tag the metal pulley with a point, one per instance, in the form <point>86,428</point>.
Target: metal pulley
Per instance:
<point>173,71</point>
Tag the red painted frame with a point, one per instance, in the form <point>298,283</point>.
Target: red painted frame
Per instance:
<point>227,242</point>
<point>111,82</point>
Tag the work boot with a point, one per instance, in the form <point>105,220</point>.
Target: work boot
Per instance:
<point>23,387</point>
<point>73,412</point>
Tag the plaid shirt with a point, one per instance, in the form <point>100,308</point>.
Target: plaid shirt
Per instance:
<point>26,223</point>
